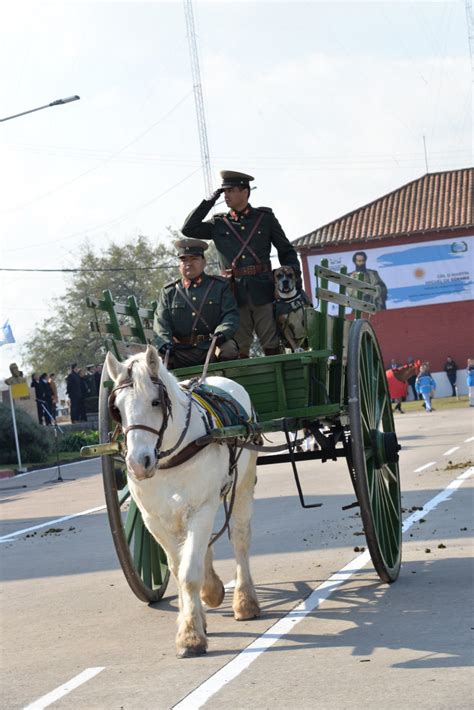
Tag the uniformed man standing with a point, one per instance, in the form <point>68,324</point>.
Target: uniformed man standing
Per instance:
<point>244,238</point>
<point>193,309</point>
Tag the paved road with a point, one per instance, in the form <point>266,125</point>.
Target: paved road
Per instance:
<point>67,612</point>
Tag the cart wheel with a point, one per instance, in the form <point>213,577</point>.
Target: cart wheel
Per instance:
<point>374,449</point>
<point>142,559</point>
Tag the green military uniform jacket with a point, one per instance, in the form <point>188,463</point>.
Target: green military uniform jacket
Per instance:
<point>174,317</point>
<point>257,289</point>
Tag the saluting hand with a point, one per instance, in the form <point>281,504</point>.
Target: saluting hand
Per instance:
<point>216,194</point>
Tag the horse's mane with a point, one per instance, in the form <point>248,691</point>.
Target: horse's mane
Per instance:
<point>141,377</point>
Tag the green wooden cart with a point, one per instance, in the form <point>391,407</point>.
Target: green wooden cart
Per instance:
<point>336,389</point>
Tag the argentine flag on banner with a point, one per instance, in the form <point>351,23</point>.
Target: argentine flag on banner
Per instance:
<point>6,335</point>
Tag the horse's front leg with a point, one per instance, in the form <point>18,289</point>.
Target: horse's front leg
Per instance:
<point>191,637</point>
<point>245,603</point>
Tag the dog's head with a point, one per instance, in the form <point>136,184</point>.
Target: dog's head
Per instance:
<point>284,279</point>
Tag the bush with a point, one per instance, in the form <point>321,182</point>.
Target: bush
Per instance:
<point>78,439</point>
<point>34,445</point>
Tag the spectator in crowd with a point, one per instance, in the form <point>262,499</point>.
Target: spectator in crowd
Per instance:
<point>470,380</point>
<point>35,384</point>
<point>90,380</point>
<point>426,386</point>
<point>393,364</point>
<point>45,396</point>
<point>97,376</point>
<point>411,380</point>
<point>73,391</point>
<point>451,369</point>
<point>54,391</point>
<point>85,392</point>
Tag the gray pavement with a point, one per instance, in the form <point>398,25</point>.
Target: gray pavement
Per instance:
<point>67,608</point>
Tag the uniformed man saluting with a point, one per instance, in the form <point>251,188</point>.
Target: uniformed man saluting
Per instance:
<point>194,308</point>
<point>244,238</point>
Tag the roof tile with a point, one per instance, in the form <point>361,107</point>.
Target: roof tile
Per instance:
<point>431,203</point>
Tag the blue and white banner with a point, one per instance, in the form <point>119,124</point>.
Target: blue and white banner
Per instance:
<point>410,275</point>
<point>6,334</point>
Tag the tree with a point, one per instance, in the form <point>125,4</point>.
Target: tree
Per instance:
<point>134,269</point>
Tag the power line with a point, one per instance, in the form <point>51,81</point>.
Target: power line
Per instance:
<point>103,162</point>
<point>94,271</point>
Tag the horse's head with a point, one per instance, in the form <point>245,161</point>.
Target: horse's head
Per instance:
<point>139,401</point>
<point>404,372</point>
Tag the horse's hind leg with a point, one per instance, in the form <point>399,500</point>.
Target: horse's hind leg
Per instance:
<point>212,592</point>
<point>245,603</point>
<point>191,637</point>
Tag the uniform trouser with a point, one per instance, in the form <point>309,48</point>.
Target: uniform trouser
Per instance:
<point>197,356</point>
<point>261,320</point>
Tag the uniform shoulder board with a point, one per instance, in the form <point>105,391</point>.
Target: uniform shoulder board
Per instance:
<point>220,215</point>
<point>172,283</point>
<point>222,279</point>
<point>265,209</point>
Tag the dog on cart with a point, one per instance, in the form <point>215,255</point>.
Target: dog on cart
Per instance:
<point>289,306</point>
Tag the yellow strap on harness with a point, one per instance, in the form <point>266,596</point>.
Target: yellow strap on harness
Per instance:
<point>208,408</point>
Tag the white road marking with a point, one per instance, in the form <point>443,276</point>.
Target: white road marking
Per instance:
<point>422,468</point>
<point>471,438</point>
<point>63,690</point>
<point>198,697</point>
<point>451,451</point>
<point>53,468</point>
<point>11,536</point>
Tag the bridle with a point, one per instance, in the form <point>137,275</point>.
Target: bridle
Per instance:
<point>166,410</point>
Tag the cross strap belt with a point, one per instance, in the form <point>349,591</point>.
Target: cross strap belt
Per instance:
<point>251,270</point>
<point>193,339</point>
<point>244,242</point>
<point>197,309</point>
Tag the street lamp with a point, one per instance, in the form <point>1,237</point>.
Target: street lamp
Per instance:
<point>58,102</point>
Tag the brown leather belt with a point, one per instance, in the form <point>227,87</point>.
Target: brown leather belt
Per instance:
<point>251,270</point>
<point>194,339</point>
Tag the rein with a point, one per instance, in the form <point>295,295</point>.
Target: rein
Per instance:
<point>165,403</point>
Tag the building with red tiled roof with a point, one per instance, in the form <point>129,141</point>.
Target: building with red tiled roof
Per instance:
<point>419,238</point>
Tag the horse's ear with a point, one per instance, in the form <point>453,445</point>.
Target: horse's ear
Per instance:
<point>113,366</point>
<point>153,360</point>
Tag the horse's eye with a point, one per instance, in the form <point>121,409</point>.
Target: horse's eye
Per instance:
<point>155,403</point>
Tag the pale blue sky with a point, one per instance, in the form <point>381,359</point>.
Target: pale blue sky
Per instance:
<point>325,103</point>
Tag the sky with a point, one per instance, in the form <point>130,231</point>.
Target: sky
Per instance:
<point>325,103</point>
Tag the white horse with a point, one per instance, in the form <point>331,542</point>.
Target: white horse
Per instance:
<point>179,504</point>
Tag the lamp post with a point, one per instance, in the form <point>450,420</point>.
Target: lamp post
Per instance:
<point>58,102</point>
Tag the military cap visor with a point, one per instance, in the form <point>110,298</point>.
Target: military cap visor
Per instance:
<point>230,178</point>
<point>190,247</point>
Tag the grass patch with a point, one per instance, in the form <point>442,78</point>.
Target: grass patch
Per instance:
<point>437,404</point>
<point>64,457</point>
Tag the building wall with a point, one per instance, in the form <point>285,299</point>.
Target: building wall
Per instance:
<point>427,332</point>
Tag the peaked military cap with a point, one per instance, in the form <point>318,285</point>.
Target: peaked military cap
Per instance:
<point>230,178</point>
<point>194,247</point>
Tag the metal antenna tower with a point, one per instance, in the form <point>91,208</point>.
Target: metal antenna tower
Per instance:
<point>198,100</point>
<point>470,33</point>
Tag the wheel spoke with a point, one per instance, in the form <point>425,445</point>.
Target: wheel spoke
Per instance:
<point>370,418</point>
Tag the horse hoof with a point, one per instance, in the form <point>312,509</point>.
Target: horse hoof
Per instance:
<point>246,612</point>
<point>214,596</point>
<point>191,652</point>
